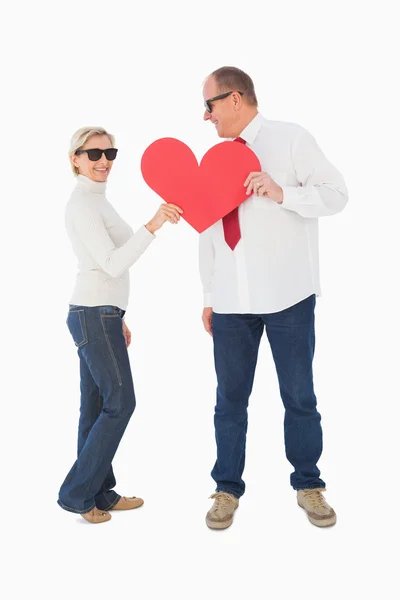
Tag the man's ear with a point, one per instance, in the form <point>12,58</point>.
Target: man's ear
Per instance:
<point>237,100</point>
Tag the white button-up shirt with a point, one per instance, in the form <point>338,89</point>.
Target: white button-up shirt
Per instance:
<point>275,264</point>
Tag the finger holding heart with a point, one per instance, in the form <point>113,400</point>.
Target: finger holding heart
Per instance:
<point>261,184</point>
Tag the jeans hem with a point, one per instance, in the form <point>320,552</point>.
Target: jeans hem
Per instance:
<point>235,494</point>
<point>74,510</point>
<point>117,499</point>
<point>311,487</point>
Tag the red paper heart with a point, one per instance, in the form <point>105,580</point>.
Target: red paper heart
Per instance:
<point>206,193</point>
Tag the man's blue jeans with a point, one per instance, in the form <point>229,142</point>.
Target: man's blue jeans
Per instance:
<point>292,339</point>
<point>107,403</point>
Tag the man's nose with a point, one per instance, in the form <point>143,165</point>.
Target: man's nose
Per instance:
<point>206,115</point>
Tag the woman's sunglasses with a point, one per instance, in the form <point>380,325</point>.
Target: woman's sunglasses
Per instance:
<point>95,153</point>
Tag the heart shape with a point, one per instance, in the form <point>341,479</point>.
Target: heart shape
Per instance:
<point>206,192</point>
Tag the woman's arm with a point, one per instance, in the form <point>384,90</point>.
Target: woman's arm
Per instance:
<point>89,226</point>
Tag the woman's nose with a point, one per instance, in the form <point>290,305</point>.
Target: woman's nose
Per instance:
<point>103,160</point>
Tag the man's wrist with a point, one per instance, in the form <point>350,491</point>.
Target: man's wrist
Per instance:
<point>207,300</point>
<point>279,196</point>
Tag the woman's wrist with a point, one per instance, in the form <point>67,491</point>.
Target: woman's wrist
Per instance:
<point>150,227</point>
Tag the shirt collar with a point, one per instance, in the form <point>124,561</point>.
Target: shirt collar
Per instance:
<point>250,132</point>
<point>98,187</point>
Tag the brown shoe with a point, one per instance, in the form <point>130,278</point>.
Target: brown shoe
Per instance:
<point>318,510</point>
<point>96,516</point>
<point>220,515</point>
<point>125,503</point>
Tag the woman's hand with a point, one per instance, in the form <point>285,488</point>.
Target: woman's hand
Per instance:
<point>166,212</point>
<point>127,334</point>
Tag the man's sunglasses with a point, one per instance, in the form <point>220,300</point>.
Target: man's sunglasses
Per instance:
<point>207,103</point>
<point>95,153</point>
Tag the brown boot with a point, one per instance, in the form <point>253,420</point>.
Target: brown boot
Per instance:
<point>318,510</point>
<point>220,515</point>
<point>125,503</point>
<point>96,516</point>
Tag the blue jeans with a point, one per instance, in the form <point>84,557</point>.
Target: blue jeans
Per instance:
<point>292,339</point>
<point>107,403</point>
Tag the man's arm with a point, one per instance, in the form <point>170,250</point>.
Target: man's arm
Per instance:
<point>206,267</point>
<point>322,190</point>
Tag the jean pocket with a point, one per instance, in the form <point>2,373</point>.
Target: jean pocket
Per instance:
<point>76,323</point>
<point>110,311</point>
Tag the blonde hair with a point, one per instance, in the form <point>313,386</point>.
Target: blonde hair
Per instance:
<point>80,138</point>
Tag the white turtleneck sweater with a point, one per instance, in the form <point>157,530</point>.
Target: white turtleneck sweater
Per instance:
<point>104,245</point>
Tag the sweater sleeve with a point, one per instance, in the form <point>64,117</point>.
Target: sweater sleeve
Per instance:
<point>89,226</point>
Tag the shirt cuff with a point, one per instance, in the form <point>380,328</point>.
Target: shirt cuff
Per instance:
<point>290,197</point>
<point>207,301</point>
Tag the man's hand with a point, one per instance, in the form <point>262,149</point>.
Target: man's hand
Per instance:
<point>127,334</point>
<point>261,184</point>
<point>207,319</point>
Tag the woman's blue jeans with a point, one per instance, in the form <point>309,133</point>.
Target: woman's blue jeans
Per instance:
<point>107,403</point>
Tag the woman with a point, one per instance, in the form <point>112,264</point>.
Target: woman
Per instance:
<point>105,247</point>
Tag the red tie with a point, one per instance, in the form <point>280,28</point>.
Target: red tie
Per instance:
<point>231,220</point>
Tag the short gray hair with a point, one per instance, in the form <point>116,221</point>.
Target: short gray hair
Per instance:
<point>80,138</point>
<point>232,78</point>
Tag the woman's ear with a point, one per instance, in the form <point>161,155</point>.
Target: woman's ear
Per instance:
<point>74,161</point>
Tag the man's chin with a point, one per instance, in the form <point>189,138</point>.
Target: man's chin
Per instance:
<point>223,134</point>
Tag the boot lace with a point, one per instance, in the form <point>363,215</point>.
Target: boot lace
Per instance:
<point>315,498</point>
<point>222,500</point>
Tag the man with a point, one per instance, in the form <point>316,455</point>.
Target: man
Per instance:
<point>259,269</point>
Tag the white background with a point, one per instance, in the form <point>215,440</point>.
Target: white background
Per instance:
<point>137,69</point>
